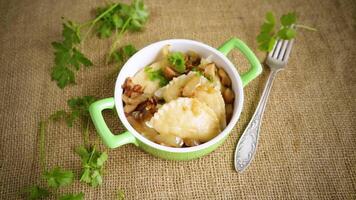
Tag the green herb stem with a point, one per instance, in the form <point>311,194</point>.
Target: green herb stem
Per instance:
<point>305,27</point>
<point>117,39</point>
<point>89,22</point>
<point>42,131</point>
<point>106,12</point>
<point>92,153</point>
<point>86,133</point>
<point>93,22</point>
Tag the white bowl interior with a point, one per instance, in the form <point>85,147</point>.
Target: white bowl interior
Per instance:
<point>147,55</point>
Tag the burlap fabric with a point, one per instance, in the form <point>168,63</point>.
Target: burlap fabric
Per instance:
<point>308,138</point>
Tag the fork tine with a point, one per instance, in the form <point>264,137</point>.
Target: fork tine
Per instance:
<point>283,49</point>
<point>270,54</point>
<point>289,49</point>
<point>276,50</point>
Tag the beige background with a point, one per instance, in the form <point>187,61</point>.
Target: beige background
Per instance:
<point>308,138</point>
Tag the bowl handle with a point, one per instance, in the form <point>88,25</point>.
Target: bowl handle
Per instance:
<point>255,68</point>
<point>110,140</point>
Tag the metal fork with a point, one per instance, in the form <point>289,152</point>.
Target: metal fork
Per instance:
<point>247,145</point>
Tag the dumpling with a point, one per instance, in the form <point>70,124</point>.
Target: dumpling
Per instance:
<point>174,88</point>
<point>199,87</point>
<point>141,78</point>
<point>213,98</point>
<point>187,118</point>
<point>193,85</point>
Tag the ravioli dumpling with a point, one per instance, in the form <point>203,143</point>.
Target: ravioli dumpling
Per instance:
<point>187,118</point>
<point>213,98</point>
<point>199,87</point>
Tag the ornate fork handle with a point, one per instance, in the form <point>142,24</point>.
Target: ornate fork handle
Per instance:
<point>246,147</point>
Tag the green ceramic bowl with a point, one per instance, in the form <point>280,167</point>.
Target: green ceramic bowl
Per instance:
<point>146,56</point>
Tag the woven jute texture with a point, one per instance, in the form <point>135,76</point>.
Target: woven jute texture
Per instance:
<point>307,148</point>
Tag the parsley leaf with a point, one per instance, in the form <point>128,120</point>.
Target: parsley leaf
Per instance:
<point>93,162</point>
<point>58,115</point>
<point>270,18</point>
<point>122,17</point>
<point>58,177</point>
<point>128,50</point>
<point>63,75</point>
<point>177,61</point>
<point>79,196</point>
<point>124,53</point>
<point>78,58</point>
<point>289,19</point>
<point>270,33</point>
<point>286,33</point>
<point>36,192</point>
<point>70,34</point>
<point>139,15</point>
<point>67,56</point>
<point>266,39</point>
<point>79,108</point>
<point>156,75</point>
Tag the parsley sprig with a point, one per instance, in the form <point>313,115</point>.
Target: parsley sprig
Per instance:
<point>78,109</point>
<point>115,18</point>
<point>92,159</point>
<point>271,31</point>
<point>92,164</point>
<point>122,19</point>
<point>58,177</point>
<point>55,178</point>
<point>68,56</point>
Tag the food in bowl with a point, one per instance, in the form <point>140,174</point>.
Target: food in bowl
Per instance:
<point>180,100</point>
